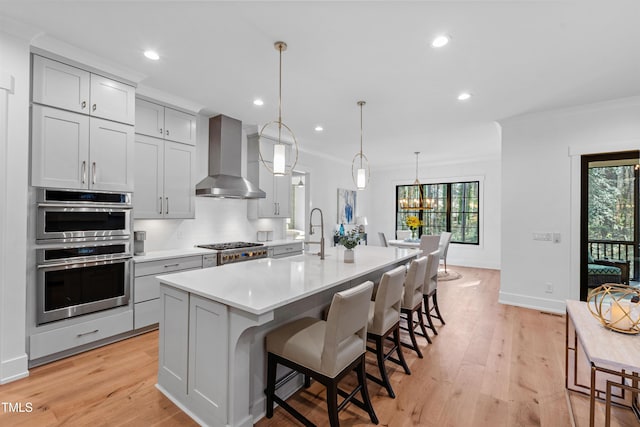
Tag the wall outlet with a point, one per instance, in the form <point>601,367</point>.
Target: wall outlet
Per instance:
<point>549,288</point>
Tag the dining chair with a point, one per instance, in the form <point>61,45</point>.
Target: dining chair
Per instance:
<point>383,239</point>
<point>429,243</point>
<point>412,302</point>
<point>403,234</point>
<point>443,247</point>
<point>326,351</point>
<point>384,320</point>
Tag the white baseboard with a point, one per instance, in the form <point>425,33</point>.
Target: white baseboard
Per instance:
<point>14,369</point>
<point>542,304</point>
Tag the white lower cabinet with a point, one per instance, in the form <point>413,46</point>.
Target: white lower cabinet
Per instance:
<point>174,322</point>
<point>206,389</point>
<point>190,368</point>
<point>146,286</point>
<point>61,339</point>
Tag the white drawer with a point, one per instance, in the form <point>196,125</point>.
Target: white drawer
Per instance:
<point>146,313</point>
<point>168,265</point>
<point>56,340</point>
<point>147,287</point>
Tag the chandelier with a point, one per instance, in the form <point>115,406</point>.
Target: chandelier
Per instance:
<point>361,175</point>
<point>279,167</point>
<point>416,200</point>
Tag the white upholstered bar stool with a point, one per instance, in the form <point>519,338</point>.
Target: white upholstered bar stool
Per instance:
<point>430,291</point>
<point>384,320</point>
<point>326,351</point>
<point>412,301</point>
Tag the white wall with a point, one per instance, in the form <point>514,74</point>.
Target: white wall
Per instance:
<point>541,190</point>
<point>13,210</point>
<point>487,171</point>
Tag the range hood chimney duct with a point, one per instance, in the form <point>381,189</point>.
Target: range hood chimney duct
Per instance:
<point>225,163</point>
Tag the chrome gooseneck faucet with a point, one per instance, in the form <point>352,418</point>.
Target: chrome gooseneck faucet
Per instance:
<point>312,225</point>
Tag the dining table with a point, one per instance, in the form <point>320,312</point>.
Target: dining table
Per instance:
<point>404,243</point>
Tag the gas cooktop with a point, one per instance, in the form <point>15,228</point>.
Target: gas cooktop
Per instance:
<point>230,245</point>
<point>237,251</point>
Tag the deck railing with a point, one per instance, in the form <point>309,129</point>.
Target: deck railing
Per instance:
<point>616,249</point>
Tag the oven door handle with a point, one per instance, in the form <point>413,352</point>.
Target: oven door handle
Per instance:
<point>77,264</point>
<point>87,207</point>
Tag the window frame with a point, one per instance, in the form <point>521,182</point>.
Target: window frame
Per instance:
<point>447,208</point>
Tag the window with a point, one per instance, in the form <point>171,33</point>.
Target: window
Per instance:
<point>452,206</point>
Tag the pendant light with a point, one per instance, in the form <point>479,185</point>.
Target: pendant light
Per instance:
<point>361,173</point>
<point>421,203</point>
<point>279,166</point>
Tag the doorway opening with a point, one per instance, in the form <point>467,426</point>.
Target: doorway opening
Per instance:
<point>609,225</point>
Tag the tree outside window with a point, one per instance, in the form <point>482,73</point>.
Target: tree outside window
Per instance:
<point>452,207</point>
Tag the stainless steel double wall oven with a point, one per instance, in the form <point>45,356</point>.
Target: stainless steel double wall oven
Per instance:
<point>83,254</point>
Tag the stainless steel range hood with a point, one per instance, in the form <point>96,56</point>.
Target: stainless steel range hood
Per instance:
<point>225,148</point>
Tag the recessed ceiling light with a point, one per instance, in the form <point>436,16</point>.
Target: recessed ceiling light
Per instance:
<point>151,54</point>
<point>258,102</point>
<point>318,128</point>
<point>464,96</point>
<point>440,41</point>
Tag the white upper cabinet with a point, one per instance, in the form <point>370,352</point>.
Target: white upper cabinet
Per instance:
<point>81,129</point>
<point>60,148</point>
<point>71,150</point>
<point>164,179</point>
<point>111,152</point>
<point>112,100</point>
<point>70,88</point>
<point>163,122</point>
<point>60,85</point>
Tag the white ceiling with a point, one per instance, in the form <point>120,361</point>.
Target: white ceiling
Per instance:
<point>514,56</point>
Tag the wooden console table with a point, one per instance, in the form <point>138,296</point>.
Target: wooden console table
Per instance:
<point>608,352</point>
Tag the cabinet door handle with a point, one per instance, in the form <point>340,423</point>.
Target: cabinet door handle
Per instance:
<point>167,132</point>
<point>84,171</point>
<point>167,211</point>
<point>93,173</point>
<point>94,107</point>
<point>160,131</point>
<point>160,205</point>
<point>87,333</point>
<point>84,104</point>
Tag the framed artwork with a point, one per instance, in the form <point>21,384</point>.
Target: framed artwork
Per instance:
<point>346,206</point>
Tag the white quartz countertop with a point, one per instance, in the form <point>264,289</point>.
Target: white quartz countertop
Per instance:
<point>171,253</point>
<point>262,285</point>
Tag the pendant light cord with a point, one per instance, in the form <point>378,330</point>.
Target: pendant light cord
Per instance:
<point>280,96</point>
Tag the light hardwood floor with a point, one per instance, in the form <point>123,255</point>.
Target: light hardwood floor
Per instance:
<point>490,365</point>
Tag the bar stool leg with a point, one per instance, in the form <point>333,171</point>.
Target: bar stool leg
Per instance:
<point>412,333</point>
<point>362,381</point>
<point>381,367</point>
<point>396,340</point>
<point>435,304</point>
<point>421,322</point>
<point>271,383</point>
<point>427,312</point>
<point>332,403</point>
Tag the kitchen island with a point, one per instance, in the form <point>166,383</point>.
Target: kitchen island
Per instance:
<point>213,323</point>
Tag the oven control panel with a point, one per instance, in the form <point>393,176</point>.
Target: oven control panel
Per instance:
<point>227,257</point>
